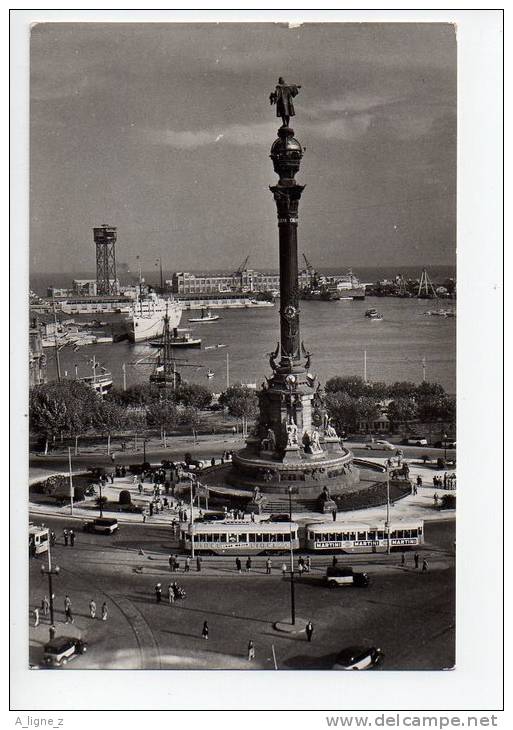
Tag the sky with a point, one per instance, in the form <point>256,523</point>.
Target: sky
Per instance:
<point>164,131</point>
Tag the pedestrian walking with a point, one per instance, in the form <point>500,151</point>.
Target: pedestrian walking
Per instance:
<point>72,537</point>
<point>67,611</point>
<point>66,536</point>
<point>198,564</point>
<point>435,499</point>
<point>416,560</point>
<point>284,569</point>
<point>309,630</point>
<point>140,487</point>
<point>187,566</point>
<point>92,608</point>
<point>170,594</point>
<point>45,606</point>
<point>158,592</point>
<point>238,564</point>
<point>403,558</point>
<point>334,561</point>
<point>252,516</point>
<point>300,569</point>
<point>419,481</point>
<point>435,481</point>
<point>308,563</point>
<point>53,538</point>
<point>424,565</point>
<point>36,617</point>
<point>112,477</point>
<point>53,631</point>
<point>268,566</point>
<point>212,461</point>
<point>105,612</point>
<point>204,632</point>
<point>248,564</point>
<point>251,651</point>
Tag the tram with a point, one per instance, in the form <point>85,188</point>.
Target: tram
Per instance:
<point>240,538</point>
<point>361,537</point>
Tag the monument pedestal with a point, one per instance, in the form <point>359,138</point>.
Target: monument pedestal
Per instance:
<point>332,445</point>
<point>291,455</point>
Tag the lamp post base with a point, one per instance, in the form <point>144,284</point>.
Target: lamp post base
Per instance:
<point>285,627</point>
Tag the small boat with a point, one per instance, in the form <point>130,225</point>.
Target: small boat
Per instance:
<point>206,316</point>
<point>214,347</point>
<point>179,340</point>
<point>210,374</point>
<point>373,314</point>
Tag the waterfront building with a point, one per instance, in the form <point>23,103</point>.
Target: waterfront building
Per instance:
<point>247,280</point>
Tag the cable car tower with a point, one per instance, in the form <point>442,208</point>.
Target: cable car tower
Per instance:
<point>106,278</point>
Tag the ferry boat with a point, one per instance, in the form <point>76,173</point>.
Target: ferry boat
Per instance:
<point>146,319</point>
<point>179,338</point>
<point>206,316</point>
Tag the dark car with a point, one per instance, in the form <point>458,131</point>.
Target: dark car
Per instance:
<point>102,525</point>
<point>340,576</point>
<point>212,517</point>
<point>59,651</point>
<point>358,657</point>
<point>447,444</point>
<point>278,518</point>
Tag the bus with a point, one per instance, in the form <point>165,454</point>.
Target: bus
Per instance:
<point>363,537</point>
<point>240,538</point>
<point>38,540</point>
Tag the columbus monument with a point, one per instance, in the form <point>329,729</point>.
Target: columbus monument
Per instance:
<point>293,450</point>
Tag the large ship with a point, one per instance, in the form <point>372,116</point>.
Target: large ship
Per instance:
<point>146,318</point>
<point>333,288</point>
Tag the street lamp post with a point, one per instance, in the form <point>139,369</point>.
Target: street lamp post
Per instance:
<point>101,497</point>
<point>387,523</point>
<point>49,571</point>
<point>144,449</point>
<point>191,477</point>
<point>444,436</point>
<point>292,594</point>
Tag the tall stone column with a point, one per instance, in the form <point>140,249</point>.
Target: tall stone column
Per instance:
<point>287,198</point>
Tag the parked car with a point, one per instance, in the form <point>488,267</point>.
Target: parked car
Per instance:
<point>448,444</point>
<point>278,518</point>
<point>345,576</point>
<point>416,441</point>
<point>59,651</point>
<point>380,445</point>
<point>358,657</point>
<point>102,525</point>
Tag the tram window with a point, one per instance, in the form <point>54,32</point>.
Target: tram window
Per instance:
<point>279,537</point>
<point>265,537</point>
<point>243,537</point>
<point>293,535</point>
<point>311,535</point>
<point>400,533</point>
<point>371,534</point>
<point>352,535</point>
<point>259,537</point>
<point>345,536</point>
<point>413,533</point>
<point>252,537</point>
<point>272,537</point>
<point>362,536</point>
<point>420,530</point>
<point>381,534</point>
<point>209,537</point>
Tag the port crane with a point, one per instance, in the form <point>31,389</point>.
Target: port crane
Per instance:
<point>311,271</point>
<point>426,289</point>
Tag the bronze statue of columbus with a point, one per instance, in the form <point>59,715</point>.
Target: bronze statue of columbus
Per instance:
<point>282,96</point>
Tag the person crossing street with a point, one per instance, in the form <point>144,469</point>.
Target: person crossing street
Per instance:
<point>92,608</point>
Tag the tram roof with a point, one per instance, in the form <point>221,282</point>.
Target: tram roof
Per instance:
<point>374,525</point>
<point>244,526</point>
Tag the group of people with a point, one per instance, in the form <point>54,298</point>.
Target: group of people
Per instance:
<point>448,481</point>
<point>174,592</point>
<point>69,537</point>
<point>174,564</point>
<point>68,611</point>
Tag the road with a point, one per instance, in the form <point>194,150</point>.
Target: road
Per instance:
<point>409,614</point>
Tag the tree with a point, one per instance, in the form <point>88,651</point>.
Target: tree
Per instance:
<point>191,417</point>
<point>402,389</point>
<point>46,415</point>
<point>141,394</point>
<point>164,415</point>
<point>193,394</point>
<point>108,418</point>
<point>367,410</point>
<point>342,411</point>
<point>402,410</point>
<point>352,385</point>
<point>377,390</point>
<point>241,402</point>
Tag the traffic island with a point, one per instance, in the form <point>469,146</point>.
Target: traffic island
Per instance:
<point>286,627</point>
